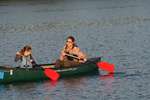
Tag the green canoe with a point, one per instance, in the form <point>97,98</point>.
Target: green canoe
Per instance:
<point>12,75</point>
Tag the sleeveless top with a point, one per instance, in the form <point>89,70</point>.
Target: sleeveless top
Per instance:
<point>26,62</point>
<point>69,57</point>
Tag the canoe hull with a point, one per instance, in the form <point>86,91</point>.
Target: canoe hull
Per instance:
<point>11,75</point>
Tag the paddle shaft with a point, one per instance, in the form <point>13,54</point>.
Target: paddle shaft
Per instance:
<point>73,56</point>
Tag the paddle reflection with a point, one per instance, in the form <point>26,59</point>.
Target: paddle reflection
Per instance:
<point>108,80</point>
<point>74,82</point>
<point>107,76</point>
<point>112,75</point>
<point>53,83</point>
<point>49,84</point>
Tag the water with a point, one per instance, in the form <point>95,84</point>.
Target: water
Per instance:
<point>118,30</point>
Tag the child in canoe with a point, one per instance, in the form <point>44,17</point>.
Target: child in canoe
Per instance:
<point>71,54</point>
<point>24,57</point>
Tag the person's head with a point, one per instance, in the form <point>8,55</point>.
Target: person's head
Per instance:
<point>70,41</point>
<point>27,50</point>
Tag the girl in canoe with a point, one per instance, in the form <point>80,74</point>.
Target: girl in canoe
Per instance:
<point>25,57</point>
<point>71,54</point>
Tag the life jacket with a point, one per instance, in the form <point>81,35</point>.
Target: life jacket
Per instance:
<point>26,61</point>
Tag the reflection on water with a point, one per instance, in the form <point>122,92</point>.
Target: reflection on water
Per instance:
<point>107,76</point>
<point>74,82</point>
<point>51,25</point>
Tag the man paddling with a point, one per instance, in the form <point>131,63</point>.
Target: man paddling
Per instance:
<point>71,54</point>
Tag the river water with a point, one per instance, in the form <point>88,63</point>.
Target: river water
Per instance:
<point>118,30</point>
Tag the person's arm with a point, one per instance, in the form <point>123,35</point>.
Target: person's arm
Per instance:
<point>81,55</point>
<point>33,62</point>
<point>18,56</point>
<point>62,54</point>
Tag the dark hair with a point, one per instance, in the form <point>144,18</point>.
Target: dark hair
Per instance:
<point>25,48</point>
<point>72,38</point>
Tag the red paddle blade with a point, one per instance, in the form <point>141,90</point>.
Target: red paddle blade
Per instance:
<point>52,74</point>
<point>106,66</point>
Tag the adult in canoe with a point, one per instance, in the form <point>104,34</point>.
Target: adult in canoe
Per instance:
<point>71,54</point>
<point>25,58</point>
